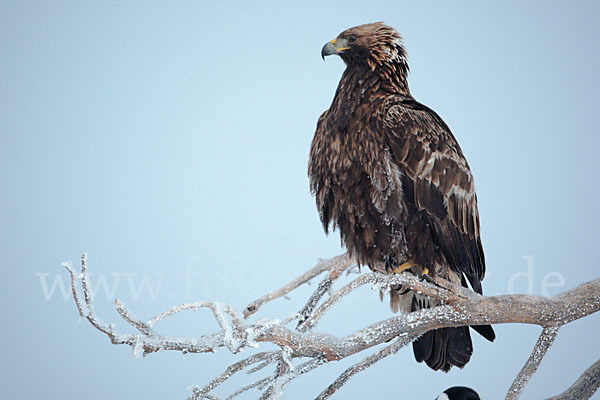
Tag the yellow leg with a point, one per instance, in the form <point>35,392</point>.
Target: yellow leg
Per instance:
<point>403,267</point>
<point>407,265</point>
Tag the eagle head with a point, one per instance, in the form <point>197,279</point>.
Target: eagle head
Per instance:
<point>373,44</point>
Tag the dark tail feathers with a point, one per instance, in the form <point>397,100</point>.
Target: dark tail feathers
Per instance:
<point>446,347</point>
<point>443,348</point>
<point>486,331</point>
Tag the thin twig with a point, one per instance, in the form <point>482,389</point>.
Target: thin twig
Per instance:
<point>84,283</point>
<point>306,311</point>
<point>260,366</point>
<point>234,333</point>
<point>194,307</point>
<point>334,298</point>
<point>88,299</point>
<point>140,325</point>
<point>74,279</point>
<point>200,393</point>
<point>322,266</point>
<point>407,280</point>
<point>258,384</point>
<point>275,389</point>
<point>402,341</point>
<point>324,287</point>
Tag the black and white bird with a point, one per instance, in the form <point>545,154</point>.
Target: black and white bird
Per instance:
<point>458,393</point>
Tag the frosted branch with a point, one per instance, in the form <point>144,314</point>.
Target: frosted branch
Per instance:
<point>204,392</point>
<point>539,351</point>
<point>324,287</point>
<point>322,266</point>
<point>384,282</point>
<point>584,387</point>
<point>276,388</point>
<point>133,321</point>
<point>69,268</point>
<point>460,307</point>
<point>366,363</point>
<point>258,384</point>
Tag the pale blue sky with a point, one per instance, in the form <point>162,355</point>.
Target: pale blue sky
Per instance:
<point>170,141</point>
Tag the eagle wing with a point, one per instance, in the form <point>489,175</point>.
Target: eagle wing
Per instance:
<point>437,181</point>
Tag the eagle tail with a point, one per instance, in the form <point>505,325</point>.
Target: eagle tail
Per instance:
<point>446,347</point>
<point>486,331</point>
<point>443,348</point>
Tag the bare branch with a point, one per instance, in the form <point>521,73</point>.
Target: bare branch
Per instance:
<point>74,278</point>
<point>385,281</point>
<point>322,266</point>
<point>87,297</point>
<point>324,287</point>
<point>214,306</point>
<point>584,387</point>
<point>135,322</point>
<point>539,351</point>
<point>460,307</point>
<point>149,343</point>
<point>201,393</point>
<point>477,310</point>
<point>402,341</point>
<point>258,384</point>
<point>275,389</point>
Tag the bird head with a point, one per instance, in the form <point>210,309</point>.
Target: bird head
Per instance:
<point>373,44</point>
<point>458,393</point>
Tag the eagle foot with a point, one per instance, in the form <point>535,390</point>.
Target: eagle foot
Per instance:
<point>403,267</point>
<point>416,268</point>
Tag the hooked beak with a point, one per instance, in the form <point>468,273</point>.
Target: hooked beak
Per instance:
<point>334,46</point>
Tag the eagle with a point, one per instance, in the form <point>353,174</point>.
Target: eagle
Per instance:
<point>387,172</point>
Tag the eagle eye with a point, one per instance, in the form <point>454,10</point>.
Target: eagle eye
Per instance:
<point>351,39</point>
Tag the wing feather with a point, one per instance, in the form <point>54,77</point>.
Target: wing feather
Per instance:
<point>443,188</point>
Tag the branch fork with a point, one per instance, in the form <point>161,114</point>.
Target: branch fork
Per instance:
<point>302,350</point>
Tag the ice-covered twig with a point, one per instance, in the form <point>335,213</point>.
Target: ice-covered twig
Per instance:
<point>322,266</point>
<point>89,315</point>
<point>215,307</point>
<point>258,384</point>
<point>69,267</point>
<point>306,311</point>
<point>324,287</point>
<point>406,280</point>
<point>533,362</point>
<point>584,387</point>
<point>133,321</point>
<point>393,348</point>
<point>260,366</point>
<point>234,333</point>
<point>267,356</point>
<point>148,341</point>
<point>87,296</point>
<point>275,389</point>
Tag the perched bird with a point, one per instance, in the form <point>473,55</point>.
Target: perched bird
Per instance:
<point>458,393</point>
<point>388,174</point>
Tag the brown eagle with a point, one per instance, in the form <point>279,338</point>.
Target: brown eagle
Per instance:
<point>388,173</point>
